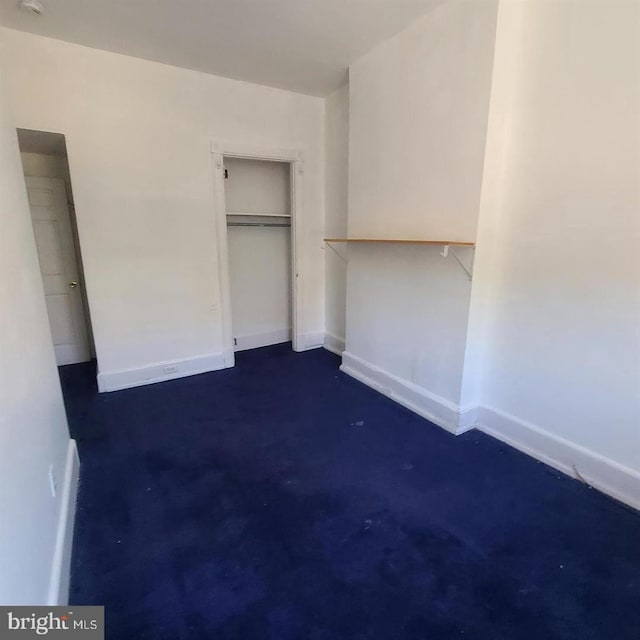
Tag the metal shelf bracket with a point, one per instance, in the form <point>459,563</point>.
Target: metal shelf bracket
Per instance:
<point>445,252</point>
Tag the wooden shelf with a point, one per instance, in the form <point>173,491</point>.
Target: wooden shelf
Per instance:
<point>452,243</point>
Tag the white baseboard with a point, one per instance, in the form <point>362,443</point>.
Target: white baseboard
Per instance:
<point>161,371</point>
<point>434,408</point>
<point>61,566</point>
<point>603,474</point>
<point>467,419</point>
<point>257,340</point>
<point>333,343</point>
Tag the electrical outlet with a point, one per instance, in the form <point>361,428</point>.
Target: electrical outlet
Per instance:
<point>171,368</point>
<point>52,482</point>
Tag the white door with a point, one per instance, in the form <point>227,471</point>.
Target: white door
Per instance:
<point>59,268</point>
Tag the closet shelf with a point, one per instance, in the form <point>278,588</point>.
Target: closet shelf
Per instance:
<point>258,224</point>
<point>260,215</point>
<point>451,243</point>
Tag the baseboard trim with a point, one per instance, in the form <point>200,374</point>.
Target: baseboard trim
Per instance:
<point>333,343</point>
<point>61,566</point>
<point>603,474</point>
<point>257,340</point>
<point>467,419</point>
<point>161,371</point>
<point>434,408</point>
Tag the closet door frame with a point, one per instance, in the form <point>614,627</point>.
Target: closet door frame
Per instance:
<point>294,158</point>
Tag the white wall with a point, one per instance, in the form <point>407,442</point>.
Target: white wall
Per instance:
<point>138,139</point>
<point>418,113</point>
<point>259,257</point>
<point>33,427</point>
<point>555,322</point>
<point>257,186</point>
<point>419,105</point>
<point>260,283</point>
<point>336,210</point>
<point>550,358</point>
<point>407,315</point>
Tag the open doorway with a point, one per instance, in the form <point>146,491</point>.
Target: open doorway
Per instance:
<point>48,182</point>
<point>258,200</point>
<point>258,206</point>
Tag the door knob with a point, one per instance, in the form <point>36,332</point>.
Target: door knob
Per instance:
<point>73,284</point>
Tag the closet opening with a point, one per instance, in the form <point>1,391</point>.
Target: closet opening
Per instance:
<point>256,215</point>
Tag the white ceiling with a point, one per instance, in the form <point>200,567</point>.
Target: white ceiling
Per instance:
<point>301,45</point>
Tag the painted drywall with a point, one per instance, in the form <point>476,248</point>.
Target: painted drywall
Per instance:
<point>336,209</point>
<point>257,186</point>
<point>407,311</point>
<point>138,138</point>
<point>33,427</point>
<point>259,257</point>
<point>554,339</point>
<point>419,105</point>
<point>260,283</point>
<point>417,126</point>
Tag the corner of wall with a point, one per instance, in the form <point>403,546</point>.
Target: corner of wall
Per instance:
<point>333,343</point>
<point>58,593</point>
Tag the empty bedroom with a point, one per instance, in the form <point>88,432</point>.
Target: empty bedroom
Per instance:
<point>320,319</point>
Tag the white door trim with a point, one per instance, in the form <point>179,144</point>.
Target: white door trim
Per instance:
<point>295,159</point>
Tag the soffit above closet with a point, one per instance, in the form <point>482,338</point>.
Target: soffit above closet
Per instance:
<point>300,45</point>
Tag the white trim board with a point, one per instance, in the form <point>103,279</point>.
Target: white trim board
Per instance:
<point>295,159</point>
<point>255,152</point>
<point>434,408</point>
<point>603,474</point>
<point>58,593</point>
<point>161,371</point>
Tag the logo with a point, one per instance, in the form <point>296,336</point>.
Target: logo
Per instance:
<point>56,622</point>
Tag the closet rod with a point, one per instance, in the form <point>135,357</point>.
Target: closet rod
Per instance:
<point>257,224</point>
<point>259,215</point>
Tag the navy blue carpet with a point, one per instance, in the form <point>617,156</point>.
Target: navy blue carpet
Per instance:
<point>283,500</point>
